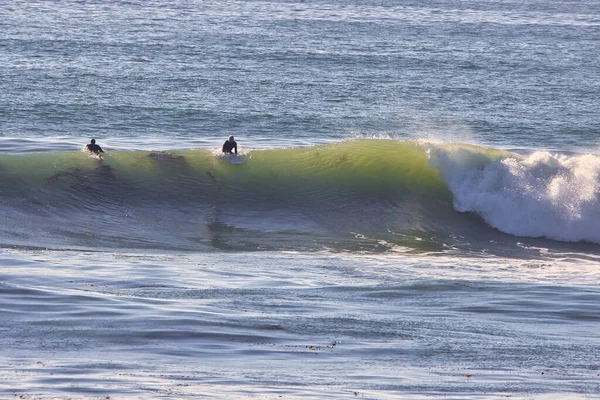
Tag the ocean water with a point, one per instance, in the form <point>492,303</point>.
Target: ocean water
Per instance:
<point>413,212</point>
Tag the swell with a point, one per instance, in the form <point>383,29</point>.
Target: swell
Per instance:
<point>369,168</point>
<point>358,195</point>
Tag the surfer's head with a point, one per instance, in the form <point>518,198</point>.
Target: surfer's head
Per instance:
<point>231,138</point>
<point>93,141</point>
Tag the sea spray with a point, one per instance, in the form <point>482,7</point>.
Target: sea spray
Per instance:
<point>537,195</point>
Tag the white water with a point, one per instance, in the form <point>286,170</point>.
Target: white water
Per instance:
<point>539,195</point>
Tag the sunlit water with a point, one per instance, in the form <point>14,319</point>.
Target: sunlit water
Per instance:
<point>415,215</point>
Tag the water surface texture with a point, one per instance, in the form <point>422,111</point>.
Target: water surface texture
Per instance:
<point>413,212</point>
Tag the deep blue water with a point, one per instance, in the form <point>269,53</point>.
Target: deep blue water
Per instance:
<point>504,74</point>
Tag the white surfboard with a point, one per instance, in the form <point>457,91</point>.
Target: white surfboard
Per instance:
<point>235,159</point>
<point>96,156</point>
<point>231,158</point>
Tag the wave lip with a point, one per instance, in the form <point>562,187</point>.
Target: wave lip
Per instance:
<point>537,195</point>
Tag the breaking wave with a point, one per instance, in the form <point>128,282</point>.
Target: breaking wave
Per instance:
<point>358,195</point>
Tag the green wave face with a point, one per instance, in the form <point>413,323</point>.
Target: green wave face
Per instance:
<point>344,194</point>
<point>362,168</point>
<point>365,168</point>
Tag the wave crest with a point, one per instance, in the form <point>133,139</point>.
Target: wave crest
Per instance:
<point>408,193</point>
<point>538,195</point>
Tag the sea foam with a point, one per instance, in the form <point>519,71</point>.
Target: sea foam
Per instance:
<point>538,195</point>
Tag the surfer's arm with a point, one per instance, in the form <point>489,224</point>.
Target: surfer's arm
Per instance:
<point>235,148</point>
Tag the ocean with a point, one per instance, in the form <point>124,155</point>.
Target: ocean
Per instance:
<point>413,212</point>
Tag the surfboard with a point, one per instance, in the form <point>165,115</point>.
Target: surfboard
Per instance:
<point>92,154</point>
<point>96,156</point>
<point>234,159</point>
<point>231,158</point>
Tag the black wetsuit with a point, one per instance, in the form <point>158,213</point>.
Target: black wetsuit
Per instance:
<point>94,148</point>
<point>228,146</point>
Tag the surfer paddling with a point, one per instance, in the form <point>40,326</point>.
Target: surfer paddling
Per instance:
<point>229,145</point>
<point>92,147</point>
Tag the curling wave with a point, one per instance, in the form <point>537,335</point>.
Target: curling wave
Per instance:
<point>536,195</point>
<point>361,194</point>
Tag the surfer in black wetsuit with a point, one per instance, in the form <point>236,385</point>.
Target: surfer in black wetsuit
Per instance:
<point>230,144</point>
<point>92,147</point>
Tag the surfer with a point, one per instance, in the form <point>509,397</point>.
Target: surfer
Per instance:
<point>92,147</point>
<point>230,144</point>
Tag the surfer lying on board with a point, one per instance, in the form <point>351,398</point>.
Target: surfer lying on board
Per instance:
<point>230,144</point>
<point>92,147</point>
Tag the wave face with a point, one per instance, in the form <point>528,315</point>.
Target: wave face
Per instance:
<point>371,195</point>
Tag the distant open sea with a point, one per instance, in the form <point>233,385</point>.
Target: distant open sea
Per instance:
<point>413,212</point>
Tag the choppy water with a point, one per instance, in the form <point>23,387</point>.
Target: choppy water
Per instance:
<point>415,214</point>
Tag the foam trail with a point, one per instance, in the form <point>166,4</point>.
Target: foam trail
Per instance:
<point>540,195</point>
